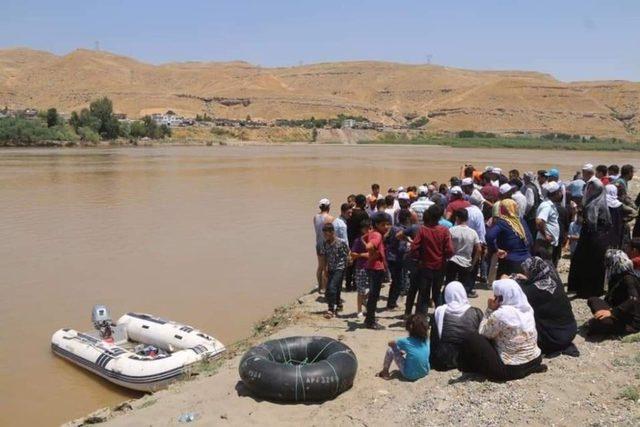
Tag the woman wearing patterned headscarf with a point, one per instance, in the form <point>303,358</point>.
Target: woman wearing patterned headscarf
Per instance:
<point>555,322</point>
<point>506,346</point>
<point>619,312</point>
<point>509,238</point>
<point>586,275</point>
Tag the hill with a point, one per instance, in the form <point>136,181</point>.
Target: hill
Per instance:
<point>453,99</point>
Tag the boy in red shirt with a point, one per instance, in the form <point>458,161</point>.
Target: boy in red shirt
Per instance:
<point>376,264</point>
<point>432,246</point>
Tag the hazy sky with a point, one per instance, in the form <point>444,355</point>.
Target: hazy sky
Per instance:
<point>571,39</point>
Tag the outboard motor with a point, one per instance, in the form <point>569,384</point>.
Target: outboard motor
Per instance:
<point>101,319</point>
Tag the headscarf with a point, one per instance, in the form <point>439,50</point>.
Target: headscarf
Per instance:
<point>529,176</point>
<point>541,274</point>
<point>612,196</point>
<point>509,214</point>
<point>514,310</point>
<point>617,262</point>
<point>456,301</point>
<point>595,203</point>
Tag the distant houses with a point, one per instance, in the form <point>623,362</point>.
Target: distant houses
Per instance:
<point>348,124</point>
<point>170,119</point>
<point>27,113</point>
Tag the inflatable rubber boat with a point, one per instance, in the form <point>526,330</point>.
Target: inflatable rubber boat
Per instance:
<point>140,351</point>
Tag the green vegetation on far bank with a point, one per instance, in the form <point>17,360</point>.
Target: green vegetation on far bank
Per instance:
<point>544,143</point>
<point>16,129</point>
<point>98,122</point>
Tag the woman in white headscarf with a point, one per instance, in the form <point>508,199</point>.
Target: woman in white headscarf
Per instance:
<point>506,346</point>
<point>453,322</point>
<point>615,211</point>
<point>586,275</point>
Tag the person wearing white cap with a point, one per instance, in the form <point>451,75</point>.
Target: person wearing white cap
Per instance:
<point>319,220</point>
<point>494,176</point>
<point>588,172</point>
<point>404,201</point>
<point>456,202</point>
<point>508,191</point>
<point>547,221</point>
<point>422,204</point>
<point>470,189</point>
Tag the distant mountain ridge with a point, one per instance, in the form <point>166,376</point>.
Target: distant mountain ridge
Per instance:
<point>453,99</point>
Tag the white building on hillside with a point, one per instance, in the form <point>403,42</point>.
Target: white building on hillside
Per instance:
<point>168,119</point>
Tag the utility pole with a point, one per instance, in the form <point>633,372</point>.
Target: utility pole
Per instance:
<point>97,43</point>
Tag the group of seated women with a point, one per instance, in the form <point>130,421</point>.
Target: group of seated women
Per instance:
<point>528,316</point>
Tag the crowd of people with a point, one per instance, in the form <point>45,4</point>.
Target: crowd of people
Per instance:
<point>436,242</point>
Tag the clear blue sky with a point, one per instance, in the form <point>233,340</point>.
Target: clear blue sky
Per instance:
<point>571,39</point>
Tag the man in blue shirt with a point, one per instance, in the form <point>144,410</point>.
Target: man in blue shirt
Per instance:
<point>340,223</point>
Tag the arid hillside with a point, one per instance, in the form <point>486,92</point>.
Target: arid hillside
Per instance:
<point>453,99</point>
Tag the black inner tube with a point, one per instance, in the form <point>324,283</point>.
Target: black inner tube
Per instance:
<point>299,369</point>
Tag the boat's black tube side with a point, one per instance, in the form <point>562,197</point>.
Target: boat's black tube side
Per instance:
<point>299,369</point>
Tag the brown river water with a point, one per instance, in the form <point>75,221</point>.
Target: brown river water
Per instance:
<point>215,237</point>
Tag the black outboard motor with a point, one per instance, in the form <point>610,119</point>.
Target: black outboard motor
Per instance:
<point>101,319</point>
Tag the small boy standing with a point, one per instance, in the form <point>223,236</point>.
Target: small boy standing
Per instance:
<point>376,265</point>
<point>335,252</point>
<point>360,255</point>
<point>574,231</point>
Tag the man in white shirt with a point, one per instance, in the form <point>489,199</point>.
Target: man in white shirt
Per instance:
<point>476,218</point>
<point>340,223</point>
<point>422,204</point>
<point>466,251</point>
<point>470,189</point>
<point>547,223</point>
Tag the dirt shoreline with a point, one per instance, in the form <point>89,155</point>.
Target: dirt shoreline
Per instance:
<point>595,389</point>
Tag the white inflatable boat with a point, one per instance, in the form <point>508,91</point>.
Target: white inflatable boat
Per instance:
<point>140,351</point>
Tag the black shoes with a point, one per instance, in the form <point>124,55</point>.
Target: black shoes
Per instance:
<point>375,326</point>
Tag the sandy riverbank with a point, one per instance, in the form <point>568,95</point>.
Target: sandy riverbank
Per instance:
<point>589,390</point>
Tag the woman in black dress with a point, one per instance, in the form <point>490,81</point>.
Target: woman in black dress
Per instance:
<point>619,312</point>
<point>555,322</point>
<point>586,275</point>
